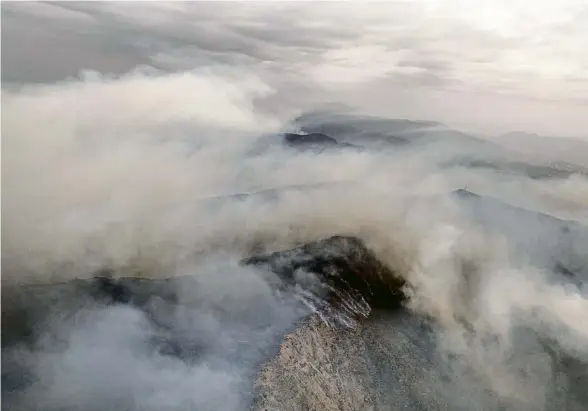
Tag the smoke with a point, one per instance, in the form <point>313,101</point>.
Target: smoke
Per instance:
<point>127,183</point>
<point>135,173</point>
<point>203,354</point>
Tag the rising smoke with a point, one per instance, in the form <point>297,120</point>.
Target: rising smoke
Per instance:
<point>135,173</point>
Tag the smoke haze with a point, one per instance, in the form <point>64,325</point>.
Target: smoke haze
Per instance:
<point>128,128</point>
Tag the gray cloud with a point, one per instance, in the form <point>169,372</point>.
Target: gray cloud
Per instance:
<point>325,51</point>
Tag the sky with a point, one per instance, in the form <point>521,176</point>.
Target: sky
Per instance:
<point>490,68</point>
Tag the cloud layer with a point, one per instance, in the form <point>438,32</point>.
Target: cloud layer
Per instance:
<point>496,67</point>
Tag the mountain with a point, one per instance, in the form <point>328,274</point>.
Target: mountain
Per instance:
<point>558,150</point>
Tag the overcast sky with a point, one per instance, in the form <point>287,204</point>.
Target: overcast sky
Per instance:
<point>490,66</point>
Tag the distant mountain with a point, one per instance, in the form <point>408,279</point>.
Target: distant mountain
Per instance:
<point>452,147</point>
<point>558,150</point>
<point>378,132</point>
<point>314,141</point>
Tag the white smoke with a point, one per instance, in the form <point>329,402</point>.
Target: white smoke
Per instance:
<point>119,171</point>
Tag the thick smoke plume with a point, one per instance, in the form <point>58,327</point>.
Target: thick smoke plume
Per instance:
<point>139,173</point>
